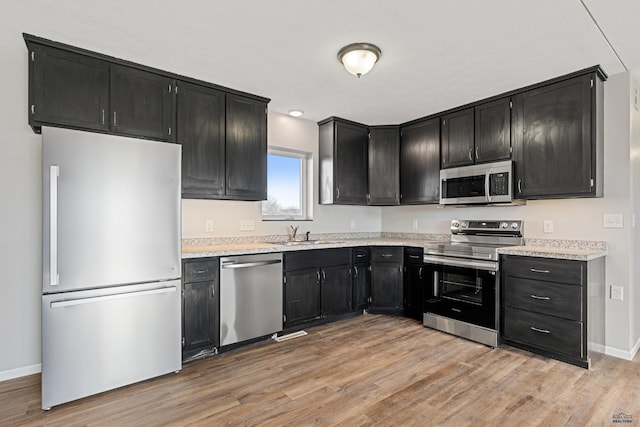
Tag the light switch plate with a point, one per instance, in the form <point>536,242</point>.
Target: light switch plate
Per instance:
<point>353,224</point>
<point>548,226</point>
<point>247,225</point>
<point>613,221</point>
<point>414,224</point>
<point>208,226</point>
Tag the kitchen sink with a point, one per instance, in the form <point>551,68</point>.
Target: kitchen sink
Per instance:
<point>307,242</point>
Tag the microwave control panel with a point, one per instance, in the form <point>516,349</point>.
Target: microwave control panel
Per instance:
<point>499,184</point>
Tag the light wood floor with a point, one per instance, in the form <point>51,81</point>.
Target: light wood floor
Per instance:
<point>370,370</point>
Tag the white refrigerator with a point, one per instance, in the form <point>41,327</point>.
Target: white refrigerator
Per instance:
<point>111,298</point>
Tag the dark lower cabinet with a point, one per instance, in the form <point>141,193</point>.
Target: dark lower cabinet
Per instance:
<point>246,148</point>
<point>414,282</point>
<point>142,103</point>
<point>387,280</point>
<point>557,139</point>
<point>554,307</point>
<point>200,308</point>
<point>302,296</point>
<point>361,278</point>
<point>420,162</point>
<point>67,89</point>
<point>201,132</point>
<point>317,285</point>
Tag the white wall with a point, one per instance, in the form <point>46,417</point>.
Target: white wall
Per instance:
<point>20,223</point>
<point>579,219</point>
<point>284,132</point>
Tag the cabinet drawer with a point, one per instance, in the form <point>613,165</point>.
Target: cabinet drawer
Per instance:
<point>386,254</point>
<point>549,270</point>
<point>361,255</point>
<point>200,271</point>
<point>545,332</point>
<point>554,299</point>
<point>413,255</point>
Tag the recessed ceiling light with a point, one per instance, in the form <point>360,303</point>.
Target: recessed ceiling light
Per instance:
<point>296,113</point>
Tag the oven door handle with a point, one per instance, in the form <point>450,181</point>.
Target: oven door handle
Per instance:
<point>465,263</point>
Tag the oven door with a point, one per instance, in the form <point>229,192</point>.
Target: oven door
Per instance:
<point>462,289</point>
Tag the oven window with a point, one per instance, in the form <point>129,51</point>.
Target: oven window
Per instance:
<point>461,284</point>
<point>468,186</point>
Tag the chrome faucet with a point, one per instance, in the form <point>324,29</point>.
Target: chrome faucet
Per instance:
<point>306,236</point>
<point>292,232</point>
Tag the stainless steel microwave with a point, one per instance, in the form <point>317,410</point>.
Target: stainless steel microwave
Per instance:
<point>486,183</point>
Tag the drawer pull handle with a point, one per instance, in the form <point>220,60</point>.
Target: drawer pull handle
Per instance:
<point>542,298</point>
<point>386,255</point>
<point>201,271</point>
<point>544,331</point>
<point>535,270</point>
<point>457,310</point>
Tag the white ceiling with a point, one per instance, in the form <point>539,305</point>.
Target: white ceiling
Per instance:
<point>436,54</point>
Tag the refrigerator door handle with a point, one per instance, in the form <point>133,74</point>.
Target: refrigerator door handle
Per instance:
<point>80,301</point>
<point>54,173</point>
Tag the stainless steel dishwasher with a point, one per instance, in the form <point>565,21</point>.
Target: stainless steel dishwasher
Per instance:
<point>250,297</point>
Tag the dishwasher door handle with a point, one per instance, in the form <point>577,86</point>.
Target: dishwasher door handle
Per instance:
<point>251,264</point>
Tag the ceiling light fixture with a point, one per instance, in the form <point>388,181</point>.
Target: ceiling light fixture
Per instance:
<point>359,58</point>
<point>296,113</point>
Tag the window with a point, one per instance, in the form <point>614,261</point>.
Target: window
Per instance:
<point>288,185</point>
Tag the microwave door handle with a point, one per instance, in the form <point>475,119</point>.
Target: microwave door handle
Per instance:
<point>486,185</point>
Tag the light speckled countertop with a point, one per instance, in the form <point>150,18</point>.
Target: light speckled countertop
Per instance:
<point>580,250</point>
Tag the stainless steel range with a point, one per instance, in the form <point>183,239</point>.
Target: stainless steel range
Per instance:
<point>463,289</point>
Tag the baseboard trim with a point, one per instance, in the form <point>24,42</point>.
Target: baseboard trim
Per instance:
<point>622,354</point>
<point>20,372</point>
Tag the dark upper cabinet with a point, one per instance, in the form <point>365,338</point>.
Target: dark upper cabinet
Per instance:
<point>67,89</point>
<point>343,162</point>
<point>557,139</point>
<point>493,131</point>
<point>142,103</point>
<point>246,148</point>
<point>201,132</point>
<point>420,162</point>
<point>458,138</point>
<point>384,165</point>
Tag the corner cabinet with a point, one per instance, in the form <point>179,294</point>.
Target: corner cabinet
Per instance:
<point>558,139</point>
<point>343,162</point>
<point>420,162</point>
<point>554,307</point>
<point>200,308</point>
<point>384,166</point>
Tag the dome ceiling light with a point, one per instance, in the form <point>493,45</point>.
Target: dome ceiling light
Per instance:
<point>359,58</point>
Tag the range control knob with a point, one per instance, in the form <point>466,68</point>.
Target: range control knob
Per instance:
<point>504,225</point>
<point>514,225</point>
<point>455,224</point>
<point>465,225</point>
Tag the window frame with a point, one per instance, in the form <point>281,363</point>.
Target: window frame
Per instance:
<point>306,178</point>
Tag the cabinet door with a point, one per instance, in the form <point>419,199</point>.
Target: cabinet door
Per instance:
<point>420,162</point>
<point>361,292</point>
<point>413,290</point>
<point>493,131</point>
<point>457,139</point>
<point>246,149</point>
<point>336,292</point>
<point>386,286</point>
<point>350,164</point>
<point>142,103</point>
<point>552,140</point>
<point>384,166</point>
<point>200,127</point>
<point>67,89</point>
<point>302,296</point>
<point>200,316</point>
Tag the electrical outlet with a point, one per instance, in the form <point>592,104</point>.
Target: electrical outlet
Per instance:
<point>548,226</point>
<point>208,226</point>
<point>617,293</point>
<point>414,224</point>
<point>354,224</point>
<point>613,221</point>
<point>247,225</point>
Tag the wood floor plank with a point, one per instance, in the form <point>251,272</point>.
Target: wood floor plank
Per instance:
<point>365,371</point>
